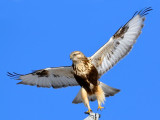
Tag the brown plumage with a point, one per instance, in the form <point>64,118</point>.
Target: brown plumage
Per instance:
<point>86,75</point>
<point>84,72</point>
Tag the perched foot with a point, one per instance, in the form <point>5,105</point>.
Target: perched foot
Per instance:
<point>99,107</point>
<point>89,111</point>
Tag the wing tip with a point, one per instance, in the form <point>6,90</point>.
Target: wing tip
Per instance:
<point>14,75</point>
<point>143,12</point>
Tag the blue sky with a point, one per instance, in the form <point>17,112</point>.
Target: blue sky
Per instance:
<point>36,34</point>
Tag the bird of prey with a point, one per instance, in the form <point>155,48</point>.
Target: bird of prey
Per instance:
<point>86,71</point>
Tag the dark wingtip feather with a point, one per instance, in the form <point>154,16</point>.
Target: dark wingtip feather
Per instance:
<point>14,75</point>
<point>145,11</point>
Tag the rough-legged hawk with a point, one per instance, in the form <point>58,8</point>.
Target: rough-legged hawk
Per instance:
<point>86,71</point>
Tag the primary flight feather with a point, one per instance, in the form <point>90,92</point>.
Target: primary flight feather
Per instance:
<point>86,71</point>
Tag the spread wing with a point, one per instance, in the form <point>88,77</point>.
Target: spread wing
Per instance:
<point>120,43</point>
<point>49,77</point>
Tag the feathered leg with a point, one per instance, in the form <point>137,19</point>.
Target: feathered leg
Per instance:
<point>100,97</point>
<point>84,96</point>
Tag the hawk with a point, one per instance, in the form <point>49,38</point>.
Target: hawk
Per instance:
<point>86,71</point>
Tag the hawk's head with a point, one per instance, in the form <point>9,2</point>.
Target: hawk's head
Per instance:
<point>76,56</point>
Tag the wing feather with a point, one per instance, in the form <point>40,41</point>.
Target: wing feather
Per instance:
<point>49,77</point>
<point>120,43</point>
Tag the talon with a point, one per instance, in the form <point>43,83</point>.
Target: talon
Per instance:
<point>89,111</point>
<point>100,107</point>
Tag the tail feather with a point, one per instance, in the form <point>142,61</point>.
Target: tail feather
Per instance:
<point>109,91</point>
<point>78,98</point>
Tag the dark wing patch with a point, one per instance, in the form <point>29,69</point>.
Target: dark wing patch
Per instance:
<point>41,73</point>
<point>122,30</point>
<point>120,33</point>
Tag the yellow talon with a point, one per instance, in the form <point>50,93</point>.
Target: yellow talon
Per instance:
<point>89,111</point>
<point>99,107</point>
